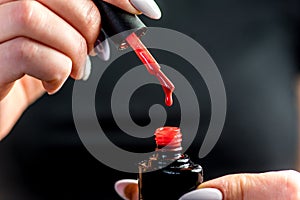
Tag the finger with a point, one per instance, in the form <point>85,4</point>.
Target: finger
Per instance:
<point>147,7</point>
<point>22,56</point>
<point>81,14</point>
<point>5,1</point>
<point>23,93</point>
<point>127,189</point>
<point>125,5</point>
<point>33,20</point>
<point>33,88</point>
<point>271,185</point>
<point>203,194</point>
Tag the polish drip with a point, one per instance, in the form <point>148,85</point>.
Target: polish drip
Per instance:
<point>152,66</point>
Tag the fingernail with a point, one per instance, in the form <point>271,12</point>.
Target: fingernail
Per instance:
<point>87,69</point>
<point>52,92</point>
<point>147,7</point>
<point>54,86</point>
<point>121,185</point>
<point>203,194</point>
<point>102,48</point>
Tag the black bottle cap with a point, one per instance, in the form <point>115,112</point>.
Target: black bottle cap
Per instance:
<point>117,21</point>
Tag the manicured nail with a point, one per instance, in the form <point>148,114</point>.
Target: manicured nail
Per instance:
<point>203,194</point>
<point>121,185</point>
<point>87,69</point>
<point>102,48</point>
<point>147,7</point>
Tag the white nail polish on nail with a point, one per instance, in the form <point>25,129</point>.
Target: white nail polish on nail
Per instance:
<point>87,69</point>
<point>102,48</point>
<point>147,7</point>
<point>121,185</point>
<point>203,194</point>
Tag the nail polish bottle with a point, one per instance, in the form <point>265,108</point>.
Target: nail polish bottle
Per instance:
<point>168,174</point>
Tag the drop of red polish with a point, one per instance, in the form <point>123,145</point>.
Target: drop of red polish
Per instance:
<point>168,96</point>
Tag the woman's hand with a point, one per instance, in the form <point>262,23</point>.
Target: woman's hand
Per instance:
<point>271,185</point>
<point>42,43</point>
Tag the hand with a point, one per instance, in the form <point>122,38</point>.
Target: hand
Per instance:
<point>42,43</point>
<point>271,185</point>
<point>127,189</point>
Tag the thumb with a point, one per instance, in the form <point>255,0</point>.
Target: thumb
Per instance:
<point>127,189</point>
<point>271,185</point>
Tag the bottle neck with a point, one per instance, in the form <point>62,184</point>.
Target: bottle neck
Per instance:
<point>168,146</point>
<point>168,153</point>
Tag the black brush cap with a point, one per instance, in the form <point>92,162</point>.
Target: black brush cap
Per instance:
<point>117,21</point>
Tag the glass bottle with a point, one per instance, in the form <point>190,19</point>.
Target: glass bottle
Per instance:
<point>168,174</point>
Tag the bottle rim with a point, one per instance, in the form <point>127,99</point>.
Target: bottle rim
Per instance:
<point>168,136</point>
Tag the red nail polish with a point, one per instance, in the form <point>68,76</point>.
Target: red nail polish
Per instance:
<point>152,66</point>
<point>125,29</point>
<point>179,177</point>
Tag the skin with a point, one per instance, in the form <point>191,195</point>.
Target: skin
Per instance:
<point>131,191</point>
<point>43,43</point>
<point>270,185</point>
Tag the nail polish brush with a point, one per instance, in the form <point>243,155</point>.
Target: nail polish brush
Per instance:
<point>129,28</point>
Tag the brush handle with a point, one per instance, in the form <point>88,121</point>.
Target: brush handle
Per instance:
<point>119,24</point>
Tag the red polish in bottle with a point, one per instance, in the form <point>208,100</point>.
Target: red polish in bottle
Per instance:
<point>158,181</point>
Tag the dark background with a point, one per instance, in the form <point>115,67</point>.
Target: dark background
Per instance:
<point>255,44</point>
